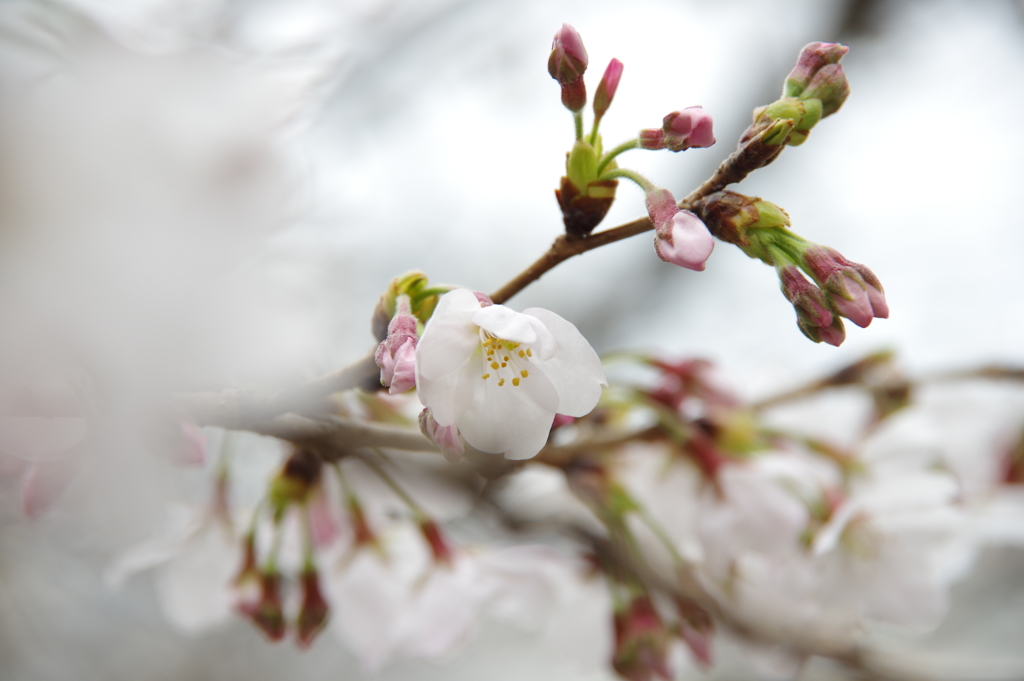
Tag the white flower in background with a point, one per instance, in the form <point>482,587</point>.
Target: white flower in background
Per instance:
<point>501,376</point>
<point>195,559</point>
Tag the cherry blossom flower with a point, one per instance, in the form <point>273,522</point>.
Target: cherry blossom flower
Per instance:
<point>501,376</point>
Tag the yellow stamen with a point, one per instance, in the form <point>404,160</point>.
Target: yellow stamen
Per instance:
<point>494,365</point>
<point>524,373</point>
<point>522,354</point>
<point>515,381</point>
<point>485,376</point>
<point>501,382</point>
<point>529,353</point>
<point>503,364</point>
<point>505,358</point>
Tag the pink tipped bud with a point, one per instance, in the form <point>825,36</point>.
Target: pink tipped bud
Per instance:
<point>568,60</point>
<point>313,613</point>
<point>680,237</point>
<point>830,86</point>
<point>606,90</point>
<point>847,285</point>
<point>396,355</point>
<point>808,299</point>
<point>812,59</point>
<point>447,438</point>
<point>691,127</point>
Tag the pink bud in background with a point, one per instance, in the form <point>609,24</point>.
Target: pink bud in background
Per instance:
<point>313,612</point>
<point>691,127</point>
<point>447,438</point>
<point>606,89</point>
<point>808,299</point>
<point>439,547</point>
<point>680,237</point>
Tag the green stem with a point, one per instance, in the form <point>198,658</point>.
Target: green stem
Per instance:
<point>628,174</point>
<point>577,117</point>
<point>593,130</point>
<point>307,541</point>
<point>610,156</point>
<point>275,548</point>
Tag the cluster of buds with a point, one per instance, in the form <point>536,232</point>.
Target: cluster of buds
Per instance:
<point>587,190</point>
<point>815,88</point>
<point>259,583</point>
<point>838,287</point>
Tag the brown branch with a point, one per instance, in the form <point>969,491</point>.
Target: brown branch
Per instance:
<point>752,154</point>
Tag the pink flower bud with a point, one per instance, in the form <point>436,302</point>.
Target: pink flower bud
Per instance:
<point>606,89</point>
<point>313,612</point>
<point>691,127</point>
<point>812,59</point>
<point>831,87</point>
<point>447,438</point>
<point>396,355</point>
<point>680,237</point>
<point>847,285</point>
<point>808,299</point>
<point>568,60</point>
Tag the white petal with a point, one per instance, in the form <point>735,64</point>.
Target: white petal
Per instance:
<point>506,324</point>
<point>450,336</point>
<point>514,420</point>
<point>574,369</point>
<point>439,395</point>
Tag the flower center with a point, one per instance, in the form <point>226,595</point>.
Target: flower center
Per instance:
<point>504,360</point>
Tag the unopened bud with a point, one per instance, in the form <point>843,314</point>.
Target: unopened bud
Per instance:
<point>853,290</point>
<point>834,334</point>
<point>314,610</point>
<point>568,60</point>
<point>691,127</point>
<point>396,355</point>
<point>812,59</point>
<point>447,438</point>
<point>606,89</point>
<point>567,64</point>
<point>680,237</point>
<point>266,612</point>
<point>831,87</point>
<point>422,298</point>
<point>808,299</point>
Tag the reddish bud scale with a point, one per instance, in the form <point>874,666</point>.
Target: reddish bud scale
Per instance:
<point>581,212</point>
<point>313,612</point>
<point>808,299</point>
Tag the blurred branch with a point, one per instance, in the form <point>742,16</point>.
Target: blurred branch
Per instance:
<point>244,410</point>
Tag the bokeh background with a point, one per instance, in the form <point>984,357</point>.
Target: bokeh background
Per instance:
<point>317,148</point>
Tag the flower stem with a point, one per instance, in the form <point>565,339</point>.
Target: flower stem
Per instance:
<point>610,156</point>
<point>593,130</point>
<point>577,117</point>
<point>628,174</point>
